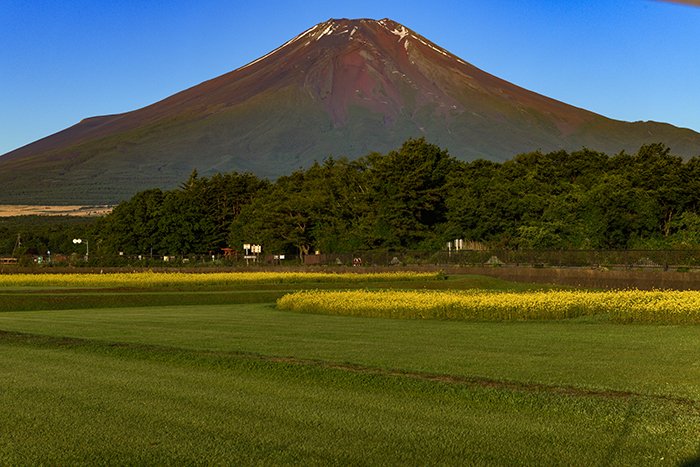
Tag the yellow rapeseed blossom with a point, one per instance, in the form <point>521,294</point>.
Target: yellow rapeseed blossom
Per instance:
<point>619,306</point>
<point>162,279</point>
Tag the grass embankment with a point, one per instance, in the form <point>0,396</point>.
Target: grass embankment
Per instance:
<point>246,383</point>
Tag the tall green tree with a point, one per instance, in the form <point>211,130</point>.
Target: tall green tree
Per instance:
<point>408,191</point>
<point>280,219</point>
<point>133,226</point>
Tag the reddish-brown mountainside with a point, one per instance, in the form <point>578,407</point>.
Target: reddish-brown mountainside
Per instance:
<point>341,88</point>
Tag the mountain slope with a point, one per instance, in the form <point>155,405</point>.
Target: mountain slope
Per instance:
<point>342,88</point>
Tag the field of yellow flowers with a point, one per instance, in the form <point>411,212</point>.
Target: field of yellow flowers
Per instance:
<point>177,279</point>
<point>625,306</point>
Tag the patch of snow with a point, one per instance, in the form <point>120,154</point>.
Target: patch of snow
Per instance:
<point>441,51</point>
<point>308,31</point>
<point>328,31</point>
<point>354,30</point>
<point>401,31</point>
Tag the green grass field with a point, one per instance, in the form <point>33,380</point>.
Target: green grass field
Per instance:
<point>221,376</point>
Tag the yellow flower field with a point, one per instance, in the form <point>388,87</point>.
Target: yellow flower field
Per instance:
<point>162,279</point>
<point>619,306</point>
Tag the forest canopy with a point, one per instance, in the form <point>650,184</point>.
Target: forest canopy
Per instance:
<point>418,197</point>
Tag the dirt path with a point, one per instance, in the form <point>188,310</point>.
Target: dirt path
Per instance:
<point>10,210</point>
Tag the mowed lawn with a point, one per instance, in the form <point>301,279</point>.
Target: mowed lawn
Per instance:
<point>246,383</point>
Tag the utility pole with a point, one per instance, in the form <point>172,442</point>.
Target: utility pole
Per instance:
<point>18,243</point>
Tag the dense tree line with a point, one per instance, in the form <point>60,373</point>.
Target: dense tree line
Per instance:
<point>418,197</point>
<point>39,235</point>
<point>196,218</point>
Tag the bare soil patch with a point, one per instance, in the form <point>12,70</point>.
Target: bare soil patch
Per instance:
<point>12,210</point>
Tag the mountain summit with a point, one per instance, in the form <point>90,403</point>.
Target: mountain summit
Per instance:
<point>342,88</point>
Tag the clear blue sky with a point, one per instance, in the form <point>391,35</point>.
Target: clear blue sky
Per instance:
<point>65,60</point>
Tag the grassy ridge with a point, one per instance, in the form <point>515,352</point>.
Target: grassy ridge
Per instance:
<point>601,356</point>
<point>11,302</point>
<point>162,405</point>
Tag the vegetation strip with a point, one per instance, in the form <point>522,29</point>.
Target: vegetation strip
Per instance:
<point>15,302</point>
<point>178,279</point>
<point>161,352</point>
<point>627,306</point>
